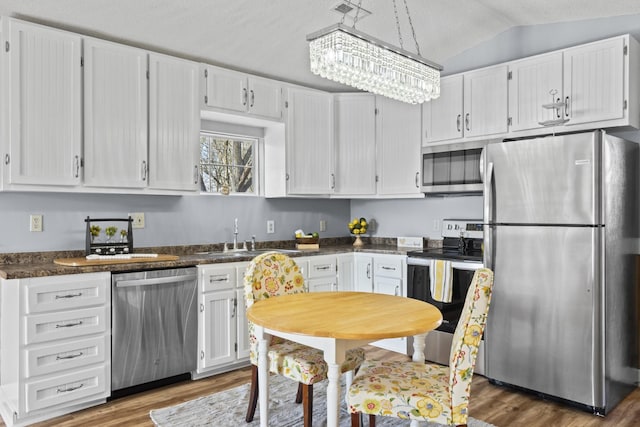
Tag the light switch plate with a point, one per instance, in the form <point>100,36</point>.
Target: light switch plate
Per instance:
<point>35,222</point>
<point>138,219</point>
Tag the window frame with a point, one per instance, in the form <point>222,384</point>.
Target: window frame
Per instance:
<point>256,168</point>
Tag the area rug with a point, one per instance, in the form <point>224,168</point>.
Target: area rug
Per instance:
<point>228,408</point>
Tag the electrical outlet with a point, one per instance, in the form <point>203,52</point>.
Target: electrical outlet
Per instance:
<point>271,226</point>
<point>323,225</point>
<point>138,219</point>
<point>35,222</point>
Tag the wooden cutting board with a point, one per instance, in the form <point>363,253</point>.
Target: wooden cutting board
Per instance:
<point>83,262</point>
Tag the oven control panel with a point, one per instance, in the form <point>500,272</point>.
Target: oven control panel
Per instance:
<point>468,228</point>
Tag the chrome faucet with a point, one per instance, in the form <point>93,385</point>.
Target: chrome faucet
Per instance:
<point>235,234</point>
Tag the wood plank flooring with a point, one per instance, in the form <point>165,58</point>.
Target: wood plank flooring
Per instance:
<point>497,405</point>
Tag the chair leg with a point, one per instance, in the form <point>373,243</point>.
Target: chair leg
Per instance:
<point>299,393</point>
<point>253,394</point>
<point>372,420</point>
<point>355,419</point>
<point>307,404</point>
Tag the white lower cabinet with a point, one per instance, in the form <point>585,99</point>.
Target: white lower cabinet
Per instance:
<point>382,274</point>
<point>322,274</point>
<point>56,345</point>
<point>223,338</point>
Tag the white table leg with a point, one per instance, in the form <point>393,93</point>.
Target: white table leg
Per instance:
<point>418,356</point>
<point>418,347</point>
<point>334,355</point>
<point>263,375</point>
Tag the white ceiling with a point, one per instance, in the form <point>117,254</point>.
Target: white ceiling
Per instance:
<point>268,37</point>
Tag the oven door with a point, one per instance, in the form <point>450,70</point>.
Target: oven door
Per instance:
<point>438,342</point>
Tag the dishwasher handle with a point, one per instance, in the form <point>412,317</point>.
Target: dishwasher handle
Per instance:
<point>156,280</point>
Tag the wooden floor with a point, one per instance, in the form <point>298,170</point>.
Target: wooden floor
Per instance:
<point>497,405</point>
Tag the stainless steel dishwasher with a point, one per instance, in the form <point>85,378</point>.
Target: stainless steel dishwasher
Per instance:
<point>154,326</point>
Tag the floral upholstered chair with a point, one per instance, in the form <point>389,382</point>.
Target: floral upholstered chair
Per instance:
<point>427,392</point>
<point>269,275</point>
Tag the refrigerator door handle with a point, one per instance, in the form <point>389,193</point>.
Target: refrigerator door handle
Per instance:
<point>487,181</point>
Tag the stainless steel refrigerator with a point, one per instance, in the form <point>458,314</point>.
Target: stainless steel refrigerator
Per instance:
<point>561,223</point>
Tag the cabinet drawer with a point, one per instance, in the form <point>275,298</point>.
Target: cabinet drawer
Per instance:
<point>321,266</point>
<point>388,267</point>
<point>68,324</point>
<point>66,292</point>
<point>70,355</point>
<point>68,388</point>
<point>215,279</point>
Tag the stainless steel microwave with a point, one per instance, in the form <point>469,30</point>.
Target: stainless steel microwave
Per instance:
<point>452,168</point>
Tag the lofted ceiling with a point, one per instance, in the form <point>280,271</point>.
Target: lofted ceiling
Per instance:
<point>268,37</point>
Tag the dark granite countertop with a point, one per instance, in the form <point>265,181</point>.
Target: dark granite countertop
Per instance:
<point>40,264</point>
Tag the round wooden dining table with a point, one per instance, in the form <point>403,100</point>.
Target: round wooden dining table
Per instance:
<point>335,322</point>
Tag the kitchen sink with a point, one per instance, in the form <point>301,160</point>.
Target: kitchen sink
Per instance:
<point>248,253</point>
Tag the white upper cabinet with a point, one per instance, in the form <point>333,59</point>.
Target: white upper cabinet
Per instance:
<point>485,101</point>
<point>577,88</point>
<point>309,134</point>
<point>535,82</point>
<point>231,90</point>
<point>174,123</point>
<point>398,147</point>
<point>42,83</point>
<point>442,117</point>
<point>355,144</point>
<point>115,115</point>
<point>594,81</point>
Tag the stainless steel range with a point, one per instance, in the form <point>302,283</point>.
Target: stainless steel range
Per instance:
<point>462,247</point>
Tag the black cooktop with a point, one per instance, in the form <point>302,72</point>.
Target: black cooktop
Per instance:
<point>452,249</point>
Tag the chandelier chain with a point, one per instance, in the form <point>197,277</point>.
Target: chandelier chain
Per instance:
<point>395,11</point>
<point>359,6</point>
<point>413,31</point>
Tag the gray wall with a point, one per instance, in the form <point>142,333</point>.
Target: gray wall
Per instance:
<point>170,220</point>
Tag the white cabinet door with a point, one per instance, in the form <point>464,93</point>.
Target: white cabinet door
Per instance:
<point>485,101</point>
<point>45,119</point>
<point>226,89</point>
<point>535,82</point>
<point>594,81</point>
<point>363,273</point>
<point>264,97</point>
<point>355,144</point>
<point>398,143</point>
<point>174,123</point>
<point>442,117</point>
<point>346,272</point>
<point>115,113</point>
<point>218,328</point>
<point>309,128</point>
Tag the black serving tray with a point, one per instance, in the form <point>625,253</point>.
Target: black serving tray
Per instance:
<point>109,248</point>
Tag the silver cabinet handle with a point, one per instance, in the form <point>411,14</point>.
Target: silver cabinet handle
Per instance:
<point>333,181</point>
<point>466,121</point>
<point>65,390</point>
<point>253,98</point>
<point>76,162</point>
<point>417,179</point>
<point>219,278</point>
<point>196,175</point>
<point>233,309</point>
<point>369,271</point>
<point>71,356</point>
<point>201,354</point>
<point>396,291</point>
<point>6,159</point>
<point>459,122</point>
<point>69,325</point>
<point>244,96</point>
<point>144,170</point>
<point>79,294</point>
<point>201,308</point>
<point>567,107</point>
<point>384,267</point>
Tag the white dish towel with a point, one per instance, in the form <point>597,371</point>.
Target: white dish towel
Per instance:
<point>441,275</point>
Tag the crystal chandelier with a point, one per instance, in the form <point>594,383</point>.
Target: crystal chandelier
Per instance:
<point>346,55</point>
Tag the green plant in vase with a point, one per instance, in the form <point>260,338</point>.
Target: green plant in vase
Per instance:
<point>110,232</point>
<point>95,232</point>
<point>123,236</point>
